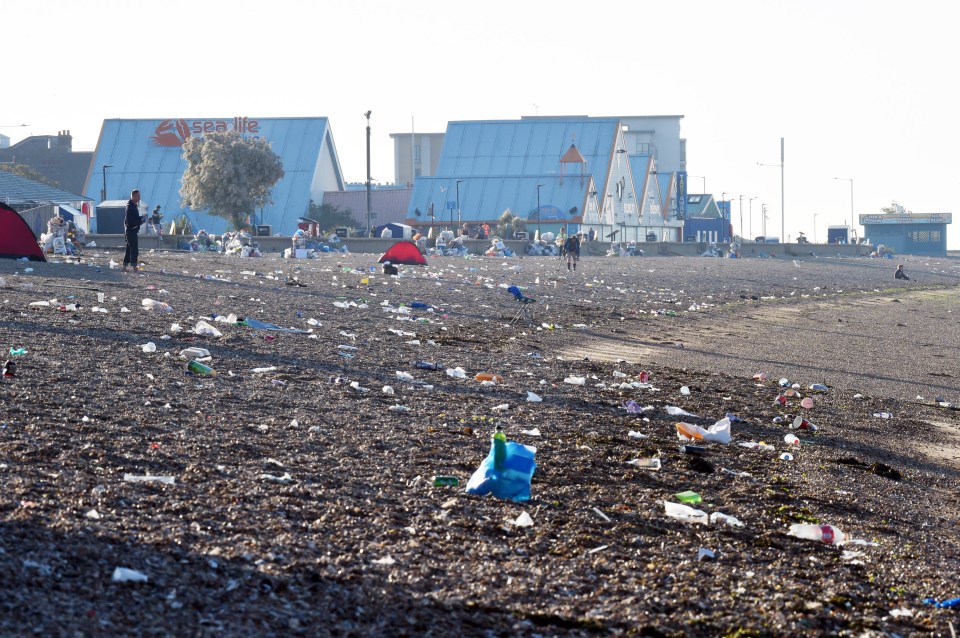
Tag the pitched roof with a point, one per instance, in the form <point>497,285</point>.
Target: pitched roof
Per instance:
<point>699,205</point>
<point>146,154</point>
<point>500,162</point>
<point>572,156</point>
<point>17,189</point>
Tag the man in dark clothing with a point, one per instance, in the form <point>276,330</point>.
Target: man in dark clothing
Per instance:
<point>573,251</point>
<point>131,224</point>
<point>900,274</point>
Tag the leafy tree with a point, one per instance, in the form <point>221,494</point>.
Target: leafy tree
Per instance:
<point>330,216</point>
<point>24,170</point>
<point>229,175</point>
<point>505,225</point>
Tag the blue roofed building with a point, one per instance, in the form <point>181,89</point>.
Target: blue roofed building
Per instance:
<point>146,154</point>
<point>570,171</point>
<point>705,220</point>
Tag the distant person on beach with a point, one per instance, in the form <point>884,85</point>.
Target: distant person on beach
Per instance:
<point>900,274</point>
<point>132,221</point>
<point>573,251</point>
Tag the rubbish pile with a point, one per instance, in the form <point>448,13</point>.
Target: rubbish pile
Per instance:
<point>239,242</point>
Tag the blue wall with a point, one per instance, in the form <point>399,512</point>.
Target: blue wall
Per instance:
<point>910,239</point>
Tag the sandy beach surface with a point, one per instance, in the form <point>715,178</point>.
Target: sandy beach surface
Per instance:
<point>297,504</point>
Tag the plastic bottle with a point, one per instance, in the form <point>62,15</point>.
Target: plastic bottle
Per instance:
<point>489,376</point>
<point>200,370</point>
<point>823,533</point>
<point>791,439</point>
<point>499,448</point>
<point>427,365</point>
<point>445,481</point>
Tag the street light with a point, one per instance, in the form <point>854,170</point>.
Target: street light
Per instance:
<point>539,186</point>
<point>704,181</point>
<point>724,200</point>
<point>763,215</point>
<point>849,179</point>
<point>103,193</point>
<point>815,215</point>
<point>750,204</point>
<point>741,218</point>
<point>458,205</point>
<point>783,214</point>
<point>369,181</point>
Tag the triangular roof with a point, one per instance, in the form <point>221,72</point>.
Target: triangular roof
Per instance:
<point>16,238</point>
<point>572,156</point>
<point>15,189</point>
<point>146,154</point>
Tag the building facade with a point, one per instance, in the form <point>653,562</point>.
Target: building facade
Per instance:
<point>415,155</point>
<point>909,233</point>
<point>53,157</point>
<point>147,154</point>
<point>574,171</point>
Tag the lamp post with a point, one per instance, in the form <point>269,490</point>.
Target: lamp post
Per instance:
<point>763,213</point>
<point>783,214</point>
<point>458,205</point>
<point>539,186</point>
<point>741,218</point>
<point>725,201</point>
<point>815,215</point>
<point>369,180</point>
<point>849,179</point>
<point>750,209</point>
<point>103,193</point>
<point>704,181</point>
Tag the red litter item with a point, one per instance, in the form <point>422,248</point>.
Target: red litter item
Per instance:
<point>644,377</point>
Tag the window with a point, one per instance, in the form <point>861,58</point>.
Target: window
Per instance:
<point>416,152</point>
<point>694,199</point>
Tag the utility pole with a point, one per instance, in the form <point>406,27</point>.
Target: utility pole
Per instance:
<point>369,181</point>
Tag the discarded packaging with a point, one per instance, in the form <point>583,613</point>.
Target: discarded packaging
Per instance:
<point>719,432</point>
<point>156,306</point>
<point>133,478</point>
<point>194,353</point>
<point>688,497</point>
<point>717,518</point>
<point>126,575</point>
<point>823,533</point>
<point>523,520</point>
<point>645,464</point>
<point>533,397</point>
<point>685,513</point>
<point>488,376</point>
<point>149,347</point>
<point>506,471</point>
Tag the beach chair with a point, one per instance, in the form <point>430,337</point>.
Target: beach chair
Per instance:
<point>525,312</point>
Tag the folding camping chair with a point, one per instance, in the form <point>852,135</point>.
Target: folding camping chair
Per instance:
<point>525,313</point>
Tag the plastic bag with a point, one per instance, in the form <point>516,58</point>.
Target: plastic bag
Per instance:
<point>719,432</point>
<point>506,472</point>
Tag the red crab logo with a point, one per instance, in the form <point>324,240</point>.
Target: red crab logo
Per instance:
<point>171,133</point>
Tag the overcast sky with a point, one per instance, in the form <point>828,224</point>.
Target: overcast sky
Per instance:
<point>859,89</point>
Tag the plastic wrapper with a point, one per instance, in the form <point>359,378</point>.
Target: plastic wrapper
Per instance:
<point>505,472</point>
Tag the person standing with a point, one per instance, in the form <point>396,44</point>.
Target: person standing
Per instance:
<point>132,221</point>
<point>573,251</point>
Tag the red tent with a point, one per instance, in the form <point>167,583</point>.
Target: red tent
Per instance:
<point>16,237</point>
<point>404,252</point>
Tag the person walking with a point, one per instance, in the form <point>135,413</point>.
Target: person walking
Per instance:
<point>573,251</point>
<point>132,221</point>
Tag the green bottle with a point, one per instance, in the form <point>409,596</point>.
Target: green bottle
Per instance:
<point>499,449</point>
<point>200,370</point>
<point>446,481</point>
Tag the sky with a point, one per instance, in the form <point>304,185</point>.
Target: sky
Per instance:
<point>858,89</point>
